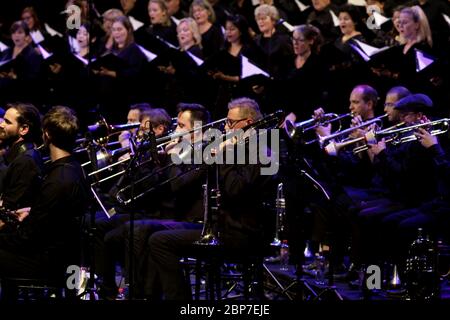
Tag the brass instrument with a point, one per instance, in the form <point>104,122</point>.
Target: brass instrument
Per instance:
<point>211,206</point>
<point>406,134</point>
<point>280,222</point>
<point>333,148</point>
<point>343,134</point>
<point>395,135</point>
<point>293,129</point>
<point>272,121</point>
<point>101,130</point>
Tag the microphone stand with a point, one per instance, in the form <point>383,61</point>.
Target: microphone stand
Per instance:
<point>90,291</point>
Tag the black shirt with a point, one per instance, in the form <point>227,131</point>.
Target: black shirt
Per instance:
<point>22,176</point>
<point>54,221</point>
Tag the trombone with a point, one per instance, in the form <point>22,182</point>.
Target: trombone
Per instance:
<point>292,129</point>
<point>325,140</point>
<point>270,121</point>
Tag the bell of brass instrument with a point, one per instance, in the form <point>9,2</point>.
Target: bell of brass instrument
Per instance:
<point>280,225</point>
<point>101,130</point>
<point>294,129</point>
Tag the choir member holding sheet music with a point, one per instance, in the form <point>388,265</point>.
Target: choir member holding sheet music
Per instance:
<point>324,17</point>
<point>119,72</point>
<point>225,67</point>
<point>275,45</point>
<point>305,88</point>
<point>212,36</point>
<point>347,68</point>
<point>106,42</point>
<point>20,66</point>
<point>160,23</point>
<point>185,78</point>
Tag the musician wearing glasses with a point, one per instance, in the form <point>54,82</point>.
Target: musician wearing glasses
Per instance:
<point>176,203</point>
<point>110,231</point>
<point>241,219</point>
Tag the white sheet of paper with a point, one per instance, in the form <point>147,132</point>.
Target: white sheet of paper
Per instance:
<point>37,36</point>
<point>135,23</point>
<point>3,46</point>
<point>422,60</point>
<point>369,50</point>
<point>335,18</point>
<point>52,31</point>
<point>249,69</point>
<point>197,60</point>
<point>175,20</point>
<point>361,3</point>
<point>74,45</point>
<point>301,5</point>
<point>148,54</point>
<point>288,26</point>
<point>446,18</point>
<point>85,61</point>
<point>379,18</point>
<point>45,53</point>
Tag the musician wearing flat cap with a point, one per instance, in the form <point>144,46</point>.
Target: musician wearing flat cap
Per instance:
<point>406,168</point>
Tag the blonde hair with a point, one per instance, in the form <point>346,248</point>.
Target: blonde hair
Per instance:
<point>267,11</point>
<point>162,5</point>
<point>205,5</point>
<point>194,29</point>
<point>418,16</point>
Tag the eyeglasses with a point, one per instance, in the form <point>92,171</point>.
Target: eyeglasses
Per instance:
<point>298,40</point>
<point>389,104</point>
<point>232,123</point>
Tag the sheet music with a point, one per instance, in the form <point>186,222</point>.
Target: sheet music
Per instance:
<point>37,36</point>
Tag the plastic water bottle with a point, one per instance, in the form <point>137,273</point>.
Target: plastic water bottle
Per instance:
<point>422,281</point>
<point>321,270</point>
<point>284,256</point>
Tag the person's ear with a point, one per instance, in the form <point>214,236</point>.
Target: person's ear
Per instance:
<point>23,130</point>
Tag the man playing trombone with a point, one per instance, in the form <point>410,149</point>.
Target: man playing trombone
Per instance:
<point>175,192</point>
<point>241,218</point>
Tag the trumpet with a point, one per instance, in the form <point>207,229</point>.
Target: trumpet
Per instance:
<point>324,140</point>
<point>407,134</point>
<point>333,148</point>
<point>292,129</point>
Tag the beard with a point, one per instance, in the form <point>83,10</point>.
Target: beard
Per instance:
<point>8,139</point>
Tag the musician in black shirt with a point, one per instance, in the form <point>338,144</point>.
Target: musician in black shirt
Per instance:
<point>49,234</point>
<point>20,131</point>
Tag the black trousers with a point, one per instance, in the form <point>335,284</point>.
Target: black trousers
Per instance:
<point>168,247</point>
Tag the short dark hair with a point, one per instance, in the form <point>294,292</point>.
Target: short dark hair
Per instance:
<point>29,115</point>
<point>198,112</point>
<point>142,107</point>
<point>61,124</point>
<point>19,25</point>
<point>399,91</point>
<point>157,117</point>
